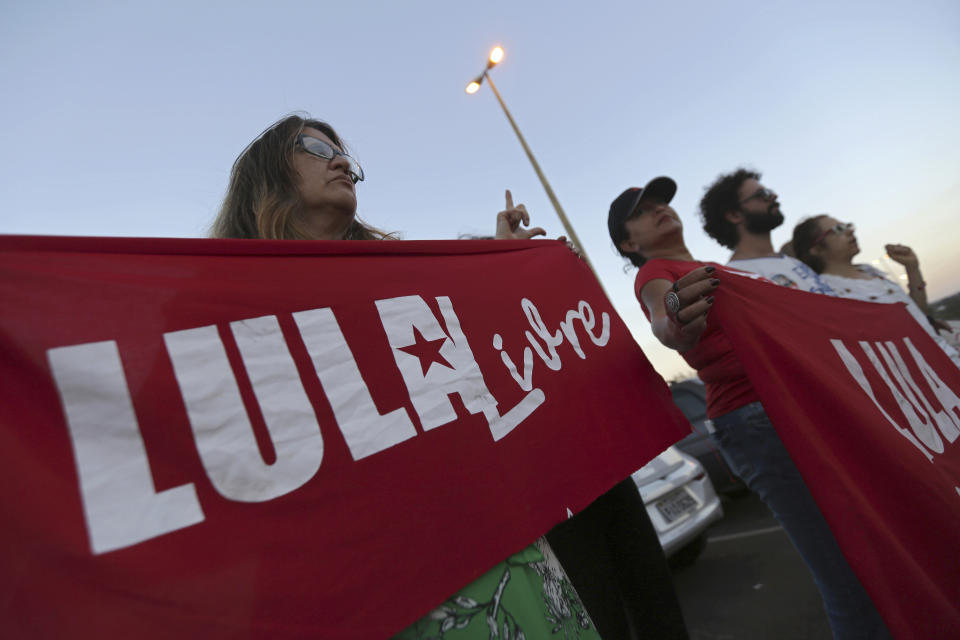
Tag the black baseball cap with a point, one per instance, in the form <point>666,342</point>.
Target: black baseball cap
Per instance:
<point>626,203</point>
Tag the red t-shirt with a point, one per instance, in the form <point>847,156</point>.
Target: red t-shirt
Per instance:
<point>726,382</point>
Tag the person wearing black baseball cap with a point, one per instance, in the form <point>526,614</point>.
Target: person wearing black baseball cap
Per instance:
<point>676,294</point>
<point>643,226</point>
<point>626,207</point>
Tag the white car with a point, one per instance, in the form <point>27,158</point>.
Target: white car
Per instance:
<point>680,501</point>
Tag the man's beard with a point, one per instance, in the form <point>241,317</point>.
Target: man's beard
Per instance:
<point>763,222</point>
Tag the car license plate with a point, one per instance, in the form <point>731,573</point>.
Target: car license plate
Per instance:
<point>675,504</point>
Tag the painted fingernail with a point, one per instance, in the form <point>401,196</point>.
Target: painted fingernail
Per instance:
<point>714,282</point>
<point>710,269</point>
<point>709,299</point>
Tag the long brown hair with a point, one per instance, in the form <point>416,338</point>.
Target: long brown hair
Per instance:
<point>262,200</point>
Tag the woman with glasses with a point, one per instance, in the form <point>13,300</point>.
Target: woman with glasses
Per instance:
<point>675,292</point>
<point>828,246</point>
<point>295,181</point>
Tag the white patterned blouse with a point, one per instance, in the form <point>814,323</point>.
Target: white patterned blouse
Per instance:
<point>878,288</point>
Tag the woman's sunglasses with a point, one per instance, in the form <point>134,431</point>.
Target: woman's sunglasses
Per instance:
<point>840,227</point>
<point>321,149</point>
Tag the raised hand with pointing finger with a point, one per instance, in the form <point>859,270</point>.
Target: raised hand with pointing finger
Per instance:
<point>509,222</point>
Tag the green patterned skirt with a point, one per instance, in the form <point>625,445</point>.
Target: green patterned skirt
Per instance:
<point>528,595</point>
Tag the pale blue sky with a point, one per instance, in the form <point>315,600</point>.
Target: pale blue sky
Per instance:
<point>122,118</point>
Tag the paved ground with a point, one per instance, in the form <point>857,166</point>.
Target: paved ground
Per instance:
<point>750,583</point>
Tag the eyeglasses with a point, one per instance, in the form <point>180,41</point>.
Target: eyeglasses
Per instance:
<point>763,193</point>
<point>840,227</point>
<point>321,149</point>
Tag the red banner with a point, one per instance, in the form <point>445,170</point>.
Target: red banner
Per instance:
<point>217,438</point>
<point>867,404</point>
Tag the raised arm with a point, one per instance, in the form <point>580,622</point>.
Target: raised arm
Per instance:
<point>680,328</point>
<point>509,223</point>
<point>916,287</point>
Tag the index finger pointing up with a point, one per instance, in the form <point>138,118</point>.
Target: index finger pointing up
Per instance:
<point>509,200</point>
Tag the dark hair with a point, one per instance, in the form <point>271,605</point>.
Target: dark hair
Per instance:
<point>618,234</point>
<point>804,235</point>
<point>635,258</point>
<point>262,199</point>
<point>720,197</point>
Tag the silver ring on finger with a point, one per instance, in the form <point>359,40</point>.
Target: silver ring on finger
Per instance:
<point>672,302</point>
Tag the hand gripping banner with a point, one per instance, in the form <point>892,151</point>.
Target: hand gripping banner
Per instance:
<point>869,407</point>
<point>262,439</point>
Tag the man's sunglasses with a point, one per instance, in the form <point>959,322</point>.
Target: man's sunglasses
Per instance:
<point>840,227</point>
<point>763,193</point>
<point>321,149</point>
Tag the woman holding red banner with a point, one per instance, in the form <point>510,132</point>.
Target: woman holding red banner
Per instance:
<point>296,181</point>
<point>676,294</point>
<point>828,246</point>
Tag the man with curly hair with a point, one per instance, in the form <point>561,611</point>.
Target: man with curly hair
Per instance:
<point>739,213</point>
